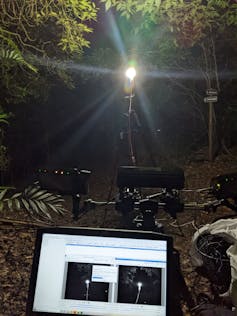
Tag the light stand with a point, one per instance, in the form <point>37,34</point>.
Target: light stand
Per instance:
<point>130,74</point>
<point>139,287</point>
<point>87,289</point>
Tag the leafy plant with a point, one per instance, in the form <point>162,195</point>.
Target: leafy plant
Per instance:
<point>11,55</point>
<point>4,117</point>
<point>35,201</point>
<point>33,31</point>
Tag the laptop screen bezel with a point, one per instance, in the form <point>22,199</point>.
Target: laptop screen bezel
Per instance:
<point>134,234</point>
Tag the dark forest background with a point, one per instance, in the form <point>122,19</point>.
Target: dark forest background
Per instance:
<point>83,127</point>
<point>68,108</point>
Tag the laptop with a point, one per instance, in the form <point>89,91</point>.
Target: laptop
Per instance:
<point>100,272</point>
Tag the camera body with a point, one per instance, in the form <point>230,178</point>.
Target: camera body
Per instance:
<point>70,181</point>
<point>145,177</point>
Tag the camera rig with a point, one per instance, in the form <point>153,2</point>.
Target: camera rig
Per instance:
<point>138,210</point>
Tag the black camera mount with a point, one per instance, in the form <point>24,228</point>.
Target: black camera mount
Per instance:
<point>131,180</point>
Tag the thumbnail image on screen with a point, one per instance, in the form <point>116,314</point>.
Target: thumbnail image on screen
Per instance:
<point>139,285</point>
<point>79,285</point>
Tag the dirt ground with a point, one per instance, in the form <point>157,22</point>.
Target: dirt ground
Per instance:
<point>17,240</point>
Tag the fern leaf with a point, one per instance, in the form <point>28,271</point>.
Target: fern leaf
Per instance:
<point>34,200</point>
<point>3,193</point>
<point>61,210</point>
<point>9,204</point>
<point>47,214</point>
<point>25,204</point>
<point>34,206</point>
<point>16,195</point>
<point>43,207</point>
<point>18,204</point>
<point>53,208</point>
<point>53,199</point>
<point>31,191</point>
<point>40,195</point>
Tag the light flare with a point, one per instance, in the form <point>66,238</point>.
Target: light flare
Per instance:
<point>131,73</point>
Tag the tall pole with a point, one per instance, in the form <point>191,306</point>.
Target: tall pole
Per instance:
<point>211,98</point>
<point>130,138</point>
<point>130,74</point>
<point>210,132</point>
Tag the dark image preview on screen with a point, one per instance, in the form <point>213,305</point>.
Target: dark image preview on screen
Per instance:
<point>94,275</point>
<point>139,285</point>
<point>79,285</point>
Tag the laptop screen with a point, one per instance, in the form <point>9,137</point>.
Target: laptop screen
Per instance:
<point>99,272</point>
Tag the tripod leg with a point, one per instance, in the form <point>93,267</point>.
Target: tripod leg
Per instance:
<point>76,206</point>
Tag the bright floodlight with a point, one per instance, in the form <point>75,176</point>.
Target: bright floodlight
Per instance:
<point>87,282</point>
<point>139,285</point>
<point>131,73</point>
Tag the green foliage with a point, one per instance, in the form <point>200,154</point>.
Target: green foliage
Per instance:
<point>10,57</point>
<point>32,30</point>
<point>69,18</point>
<point>35,201</point>
<point>12,63</point>
<point>191,21</point>
<point>128,8</point>
<point>4,117</point>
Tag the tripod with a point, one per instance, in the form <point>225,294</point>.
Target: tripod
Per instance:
<point>131,74</point>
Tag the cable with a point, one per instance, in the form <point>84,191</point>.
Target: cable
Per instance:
<point>196,190</point>
<point>181,225</point>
